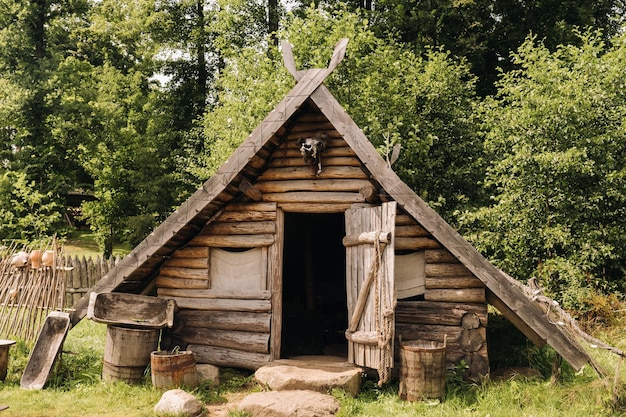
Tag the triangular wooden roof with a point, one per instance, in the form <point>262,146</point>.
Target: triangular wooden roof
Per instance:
<point>135,272</point>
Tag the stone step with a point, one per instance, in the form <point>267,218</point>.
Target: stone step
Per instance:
<point>291,403</point>
<point>314,373</point>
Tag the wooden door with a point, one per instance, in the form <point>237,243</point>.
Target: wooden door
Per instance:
<point>370,286</point>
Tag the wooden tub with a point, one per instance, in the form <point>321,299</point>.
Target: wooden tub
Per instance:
<point>131,310</point>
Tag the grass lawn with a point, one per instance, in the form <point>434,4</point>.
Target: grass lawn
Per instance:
<point>83,243</point>
<point>76,389</point>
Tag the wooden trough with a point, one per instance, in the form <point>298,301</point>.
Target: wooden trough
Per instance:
<point>130,310</point>
<point>46,349</point>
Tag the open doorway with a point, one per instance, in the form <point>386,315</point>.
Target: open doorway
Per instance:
<point>314,286</point>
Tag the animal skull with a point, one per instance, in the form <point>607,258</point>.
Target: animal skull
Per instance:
<point>311,150</point>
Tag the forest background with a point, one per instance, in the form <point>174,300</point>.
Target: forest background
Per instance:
<point>511,116</point>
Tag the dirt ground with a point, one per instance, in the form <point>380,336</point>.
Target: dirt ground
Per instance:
<point>221,410</point>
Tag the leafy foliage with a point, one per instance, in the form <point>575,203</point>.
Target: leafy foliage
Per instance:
<point>555,137</point>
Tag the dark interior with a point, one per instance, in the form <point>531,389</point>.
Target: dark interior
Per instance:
<point>314,286</point>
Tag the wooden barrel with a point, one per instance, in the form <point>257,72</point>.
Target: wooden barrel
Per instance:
<point>422,370</point>
<point>4,357</point>
<point>174,369</point>
<point>127,353</point>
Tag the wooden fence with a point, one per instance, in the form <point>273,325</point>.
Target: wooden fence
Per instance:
<point>34,283</point>
<point>82,273</point>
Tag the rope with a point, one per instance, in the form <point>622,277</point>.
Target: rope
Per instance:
<point>385,329</point>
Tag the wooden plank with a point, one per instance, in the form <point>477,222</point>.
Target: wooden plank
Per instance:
<point>191,252</point>
<point>280,161</point>
<point>226,320</point>
<point>250,207</point>
<point>415,243</point>
<point>240,228</point>
<point>185,262</point>
<point>446,270</point>
<point>304,172</point>
<point>246,216</point>
<point>468,281</point>
<point>213,294</point>
<point>275,284</point>
<point>328,152</point>
<point>318,208</point>
<point>233,241</point>
<point>412,230</point>
<point>435,256</point>
<point>246,341</point>
<point>311,185</point>
<point>231,358</point>
<point>429,312</point>
<point>219,304</point>
<point>314,197</point>
<point>466,295</point>
<point>181,283</point>
<point>185,273</point>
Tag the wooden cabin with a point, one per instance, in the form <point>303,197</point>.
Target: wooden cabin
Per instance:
<point>306,242</point>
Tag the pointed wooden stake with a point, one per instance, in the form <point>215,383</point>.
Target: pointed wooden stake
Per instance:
<point>290,63</point>
<point>338,54</point>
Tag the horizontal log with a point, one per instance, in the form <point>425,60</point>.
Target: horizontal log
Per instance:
<point>415,243</point>
<point>232,358</point>
<point>250,191</point>
<point>468,281</point>
<point>470,321</point>
<point>233,241</point>
<point>427,312</point>
<point>312,185</point>
<point>468,295</point>
<point>240,228</point>
<point>194,263</point>
<point>369,193</point>
<point>315,207</point>
<point>169,282</point>
<point>247,341</point>
<point>412,230</point>
<point>219,304</point>
<point>304,172</point>
<point>404,219</point>
<point>185,273</point>
<point>437,256</point>
<point>328,152</point>
<point>250,207</point>
<point>472,340</point>
<point>225,294</point>
<point>191,252</point>
<point>367,238</point>
<point>300,131</point>
<point>222,320</point>
<point>246,216</point>
<point>363,338</point>
<point>348,161</point>
<point>314,197</point>
<point>446,270</point>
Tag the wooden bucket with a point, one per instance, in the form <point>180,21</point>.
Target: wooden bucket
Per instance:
<point>422,370</point>
<point>4,357</point>
<point>127,353</point>
<point>174,369</point>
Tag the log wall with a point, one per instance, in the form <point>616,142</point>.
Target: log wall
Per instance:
<point>223,327</point>
<point>242,328</point>
<point>454,303</point>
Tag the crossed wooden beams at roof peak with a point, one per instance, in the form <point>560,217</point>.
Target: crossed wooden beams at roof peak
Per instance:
<point>290,63</point>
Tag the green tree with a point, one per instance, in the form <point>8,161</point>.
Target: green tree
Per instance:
<point>423,104</point>
<point>485,32</point>
<point>557,144</point>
